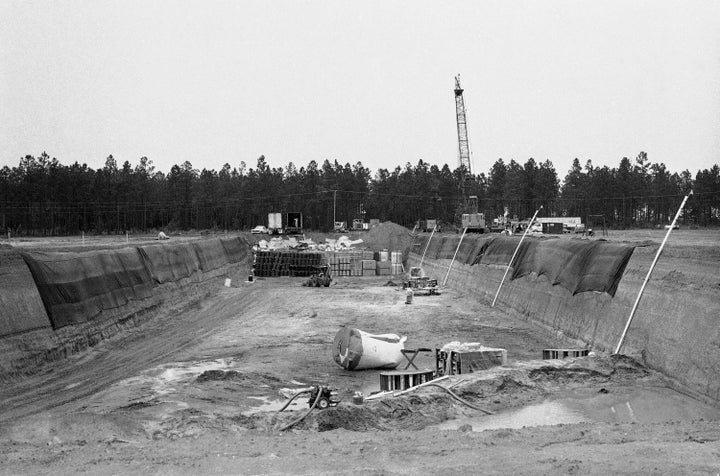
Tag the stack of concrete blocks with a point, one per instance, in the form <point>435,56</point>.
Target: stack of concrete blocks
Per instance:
<point>364,263</point>
<point>368,267</point>
<point>368,263</point>
<point>345,263</point>
<point>382,263</point>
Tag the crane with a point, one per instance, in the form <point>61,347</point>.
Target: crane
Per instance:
<point>471,220</point>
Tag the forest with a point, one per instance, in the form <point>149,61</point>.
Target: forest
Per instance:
<point>43,197</point>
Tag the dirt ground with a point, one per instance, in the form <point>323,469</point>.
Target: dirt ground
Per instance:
<point>197,389</point>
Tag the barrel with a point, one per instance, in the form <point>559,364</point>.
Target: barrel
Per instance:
<point>396,257</point>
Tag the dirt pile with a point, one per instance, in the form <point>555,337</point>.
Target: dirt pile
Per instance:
<point>389,236</point>
<point>494,390</point>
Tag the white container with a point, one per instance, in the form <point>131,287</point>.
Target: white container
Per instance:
<point>384,255</point>
<point>354,349</point>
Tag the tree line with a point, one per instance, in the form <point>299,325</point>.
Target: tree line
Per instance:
<point>41,196</point>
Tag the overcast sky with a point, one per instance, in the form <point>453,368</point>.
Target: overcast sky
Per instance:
<point>214,82</point>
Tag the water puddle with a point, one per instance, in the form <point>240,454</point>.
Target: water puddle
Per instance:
<point>268,405</point>
<point>637,405</point>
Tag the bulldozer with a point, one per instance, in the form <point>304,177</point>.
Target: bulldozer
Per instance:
<point>321,277</point>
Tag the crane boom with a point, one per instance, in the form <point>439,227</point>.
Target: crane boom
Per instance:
<point>470,218</point>
<point>463,143</point>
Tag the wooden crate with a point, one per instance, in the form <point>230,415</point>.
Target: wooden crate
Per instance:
<point>564,353</point>
<point>452,363</point>
<point>404,379</point>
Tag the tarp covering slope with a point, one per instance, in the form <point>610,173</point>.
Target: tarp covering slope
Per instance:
<point>210,253</point>
<point>577,265</point>
<point>21,308</point>
<point>235,249</point>
<point>76,287</point>
<point>168,263</point>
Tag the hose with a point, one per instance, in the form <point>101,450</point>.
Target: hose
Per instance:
<point>299,419</point>
<point>464,402</point>
<point>293,398</point>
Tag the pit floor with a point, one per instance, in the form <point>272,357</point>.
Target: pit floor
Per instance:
<point>138,403</point>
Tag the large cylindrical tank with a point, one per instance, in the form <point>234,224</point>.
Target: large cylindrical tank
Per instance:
<point>354,349</point>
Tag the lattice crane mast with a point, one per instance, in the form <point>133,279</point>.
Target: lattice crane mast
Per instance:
<point>471,220</point>
<point>463,143</point>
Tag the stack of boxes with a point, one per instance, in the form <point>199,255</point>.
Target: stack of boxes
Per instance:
<point>364,263</point>
<point>345,263</point>
<point>341,263</point>
<point>382,263</point>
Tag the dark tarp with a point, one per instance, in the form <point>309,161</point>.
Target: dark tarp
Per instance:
<point>76,287</point>
<point>236,249</point>
<point>168,263</point>
<point>576,265</point>
<point>500,250</point>
<point>211,254</point>
<point>21,308</point>
<point>606,267</point>
<point>448,247</point>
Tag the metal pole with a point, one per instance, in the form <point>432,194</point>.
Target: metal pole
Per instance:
<point>513,256</point>
<point>334,201</point>
<point>652,266</point>
<point>426,246</point>
<point>453,260</point>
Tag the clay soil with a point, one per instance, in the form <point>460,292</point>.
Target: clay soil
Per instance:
<point>196,389</point>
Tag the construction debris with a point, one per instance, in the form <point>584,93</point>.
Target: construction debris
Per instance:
<point>292,243</point>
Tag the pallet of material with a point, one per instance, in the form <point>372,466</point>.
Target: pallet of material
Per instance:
<point>368,264</point>
<point>461,362</point>
<point>564,353</point>
<point>383,268</point>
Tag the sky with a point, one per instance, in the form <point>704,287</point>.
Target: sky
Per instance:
<point>215,82</point>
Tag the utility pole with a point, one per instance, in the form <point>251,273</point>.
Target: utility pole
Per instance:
<point>334,207</point>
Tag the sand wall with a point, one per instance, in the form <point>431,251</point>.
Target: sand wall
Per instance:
<point>676,328</point>
<point>57,304</point>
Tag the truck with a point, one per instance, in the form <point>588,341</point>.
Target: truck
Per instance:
<point>428,225</point>
<point>293,223</point>
<point>569,224</point>
<point>275,223</point>
<point>473,222</point>
<point>360,225</point>
<point>339,227</point>
<point>501,224</point>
